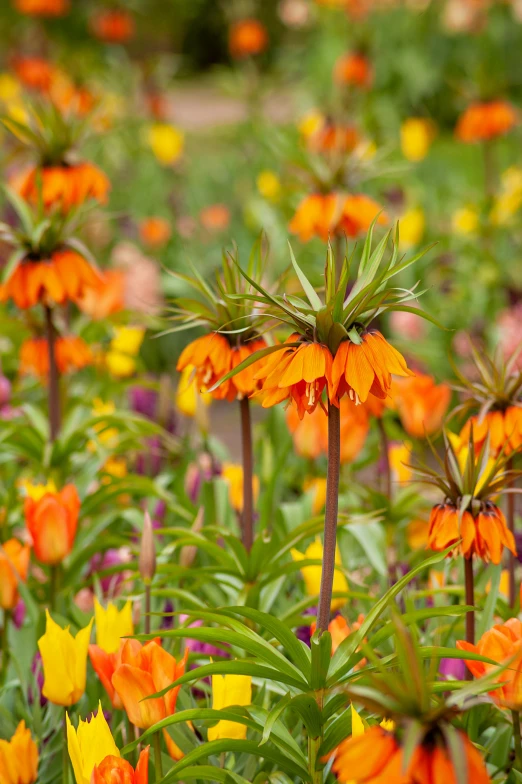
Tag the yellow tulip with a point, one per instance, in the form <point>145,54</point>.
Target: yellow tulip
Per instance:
<point>269,185</point>
<point>312,574</point>
<point>188,397</point>
<point>317,487</point>
<point>166,143</point>
<point>112,624</point>
<point>9,87</point>
<point>465,220</point>
<point>230,690</point>
<point>233,474</point>
<point>399,456</point>
<point>127,340</point>
<point>120,365</point>
<point>89,745</point>
<point>64,660</point>
<point>35,491</point>
<point>416,138</point>
<point>19,758</point>
<point>411,228</point>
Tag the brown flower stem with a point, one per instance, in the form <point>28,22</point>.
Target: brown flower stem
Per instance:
<point>470,600</point>
<point>330,517</point>
<point>510,519</point>
<point>247,516</point>
<point>156,738</point>
<point>147,618</point>
<point>54,379</point>
<point>65,751</point>
<point>517,740</point>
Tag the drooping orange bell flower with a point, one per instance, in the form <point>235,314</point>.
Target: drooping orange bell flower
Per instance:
<point>63,186</point>
<point>358,213</point>
<point>502,644</point>
<point>115,26</point>
<point>116,770</point>
<point>484,535</point>
<point>35,72</point>
<point>71,352</point>
<point>52,521</point>
<point>353,69</point>
<point>421,404</point>
<point>14,564</point>
<point>504,429</point>
<point>212,356</point>
<point>246,38</point>
<point>310,434</point>
<point>64,276</point>
<point>316,216</point>
<point>145,670</point>
<point>42,7</point>
<point>487,120</point>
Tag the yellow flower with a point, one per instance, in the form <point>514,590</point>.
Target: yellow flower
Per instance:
<point>400,457</point>
<point>417,534</point>
<point>64,660</point>
<point>9,88</point>
<point>105,434</point>
<point>166,143</point>
<point>311,123</point>
<point>19,758</point>
<point>465,220</point>
<point>116,467</point>
<point>312,574</point>
<point>233,474</point>
<point>120,365</point>
<point>503,586</point>
<point>317,487</point>
<point>89,745</point>
<point>505,206</point>
<point>358,728</point>
<point>269,185</point>
<point>411,228</point>
<point>230,690</point>
<point>416,138</point>
<point>127,340</point>
<point>188,397</point>
<point>112,624</point>
<point>37,491</point>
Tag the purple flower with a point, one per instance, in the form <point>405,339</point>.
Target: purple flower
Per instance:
<point>19,613</point>
<point>37,670</point>
<point>453,669</point>
<point>304,633</point>
<point>197,646</point>
<point>5,391</point>
<point>110,584</point>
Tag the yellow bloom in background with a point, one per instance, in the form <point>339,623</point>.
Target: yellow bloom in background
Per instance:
<point>311,123</point>
<point>269,185</point>
<point>411,228</point>
<point>417,534</point>
<point>64,660</point>
<point>116,467</point>
<point>166,143</point>
<point>104,434</point>
<point>233,474</point>
<point>188,398</point>
<point>19,758</point>
<point>436,579</point>
<point>37,491</point>
<point>503,586</point>
<point>399,456</point>
<point>120,365</point>
<point>317,487</point>
<point>465,220</point>
<point>230,690</point>
<point>416,138</point>
<point>9,88</point>
<point>112,624</point>
<point>312,574</point>
<point>506,205</point>
<point>89,745</point>
<point>125,346</point>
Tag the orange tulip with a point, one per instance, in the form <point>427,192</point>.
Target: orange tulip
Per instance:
<point>353,69</point>
<point>72,353</point>
<point>145,670</point>
<point>310,434</point>
<point>483,121</point>
<point>421,404</point>
<point>52,521</point>
<point>63,186</point>
<point>113,26</point>
<point>115,770</point>
<point>246,38</point>
<point>105,665</point>
<point>14,564</point>
<point>502,644</point>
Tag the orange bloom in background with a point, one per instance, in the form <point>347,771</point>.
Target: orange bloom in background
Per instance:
<point>145,670</point>
<point>14,563</point>
<point>487,120</point>
<point>106,297</point>
<point>113,26</point>
<point>42,7</point>
<point>64,276</point>
<point>503,644</point>
<point>358,213</point>
<point>353,69</point>
<point>155,231</point>
<point>503,427</point>
<point>52,521</point>
<point>35,72</point>
<point>421,404</point>
<point>212,356</point>
<point>340,629</point>
<point>247,37</point>
<point>72,353</point>
<point>216,217</point>
<point>329,137</point>
<point>485,535</point>
<point>63,186</point>
<point>116,770</point>
<point>310,434</point>
<point>316,216</point>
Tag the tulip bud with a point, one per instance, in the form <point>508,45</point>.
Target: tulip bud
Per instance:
<point>147,559</point>
<point>188,552</point>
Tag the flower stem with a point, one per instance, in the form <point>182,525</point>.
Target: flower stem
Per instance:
<point>5,646</point>
<point>330,517</point>
<point>470,600</point>
<point>54,389</point>
<point>157,755</point>
<point>316,776</point>
<point>385,449</point>
<point>65,751</point>
<point>147,607</point>
<point>53,586</point>
<point>510,519</point>
<point>517,740</point>
<point>247,517</point>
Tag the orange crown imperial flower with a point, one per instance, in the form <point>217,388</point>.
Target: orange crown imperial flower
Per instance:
<point>72,353</point>
<point>487,120</point>
<point>42,7</point>
<point>113,26</point>
<point>324,214</point>
<point>65,186</point>
<point>247,37</point>
<point>355,69</point>
<point>421,404</point>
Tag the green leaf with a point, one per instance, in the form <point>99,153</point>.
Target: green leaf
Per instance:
<point>321,646</point>
<point>308,289</point>
<point>273,716</point>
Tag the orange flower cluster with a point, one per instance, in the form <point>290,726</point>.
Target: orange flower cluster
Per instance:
<point>502,644</point>
<point>310,434</point>
<point>35,72</point>
<point>213,357</point>
<point>42,7</point>
<point>483,121</point>
<point>376,758</point>
<point>63,186</point>
<point>485,535</point>
<point>114,26</point>
<point>354,69</point>
<point>64,276</point>
<point>325,214</point>
<point>330,137</point>
<point>155,231</point>
<point>14,564</point>
<point>52,521</point>
<point>71,353</point>
<point>421,404</point>
<point>246,38</point>
<point>116,770</point>
<point>503,427</point>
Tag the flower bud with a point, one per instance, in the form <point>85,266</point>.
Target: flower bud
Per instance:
<point>147,558</point>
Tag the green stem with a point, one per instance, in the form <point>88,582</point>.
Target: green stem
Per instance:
<point>5,646</point>
<point>65,751</point>
<point>316,776</point>
<point>147,618</point>
<point>330,517</point>
<point>156,739</point>
<point>54,378</point>
<point>516,738</point>
<point>470,600</point>
<point>53,586</point>
<point>510,519</point>
<point>247,517</point>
